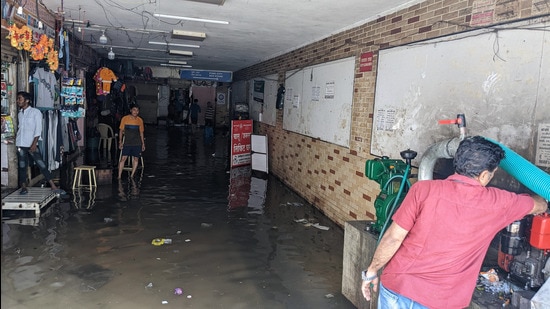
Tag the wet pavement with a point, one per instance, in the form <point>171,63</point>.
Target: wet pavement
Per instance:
<point>240,239</point>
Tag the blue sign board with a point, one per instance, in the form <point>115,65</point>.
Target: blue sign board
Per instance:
<point>218,76</point>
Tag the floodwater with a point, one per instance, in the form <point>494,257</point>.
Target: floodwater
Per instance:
<point>240,239</point>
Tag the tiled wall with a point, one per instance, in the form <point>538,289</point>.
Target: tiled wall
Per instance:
<point>332,177</point>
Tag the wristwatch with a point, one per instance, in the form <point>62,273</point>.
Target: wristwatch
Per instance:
<point>367,278</point>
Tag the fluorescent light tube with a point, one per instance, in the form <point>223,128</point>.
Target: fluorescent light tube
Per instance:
<point>188,35</point>
<point>177,62</point>
<point>175,65</point>
<point>174,44</point>
<point>192,19</point>
<point>180,52</point>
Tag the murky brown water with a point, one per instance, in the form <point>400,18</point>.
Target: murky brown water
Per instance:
<point>235,244</point>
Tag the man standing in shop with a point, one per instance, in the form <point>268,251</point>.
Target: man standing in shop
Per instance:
<point>131,139</point>
<point>28,135</point>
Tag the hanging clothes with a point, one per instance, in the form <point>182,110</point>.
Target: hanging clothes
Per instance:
<point>44,88</point>
<point>67,52</point>
<point>104,77</point>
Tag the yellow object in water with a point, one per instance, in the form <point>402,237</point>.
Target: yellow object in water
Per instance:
<point>157,242</point>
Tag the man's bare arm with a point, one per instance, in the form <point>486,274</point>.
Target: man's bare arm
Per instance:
<point>541,206</point>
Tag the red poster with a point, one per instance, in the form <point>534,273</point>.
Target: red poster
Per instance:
<point>241,131</point>
<point>365,64</point>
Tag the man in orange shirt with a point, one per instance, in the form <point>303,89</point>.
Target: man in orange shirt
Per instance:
<point>131,139</point>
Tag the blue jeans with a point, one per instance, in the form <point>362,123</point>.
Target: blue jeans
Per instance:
<point>388,299</point>
<point>24,154</point>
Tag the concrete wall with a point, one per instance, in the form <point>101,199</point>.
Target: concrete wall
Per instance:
<point>332,177</point>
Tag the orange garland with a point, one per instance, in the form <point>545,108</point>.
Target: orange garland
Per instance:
<point>21,38</point>
<point>40,49</point>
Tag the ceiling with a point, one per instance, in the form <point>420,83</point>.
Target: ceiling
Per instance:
<point>256,30</point>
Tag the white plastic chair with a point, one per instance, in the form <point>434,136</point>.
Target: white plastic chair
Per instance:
<point>107,137</point>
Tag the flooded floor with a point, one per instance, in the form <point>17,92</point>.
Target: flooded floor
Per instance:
<point>238,239</point>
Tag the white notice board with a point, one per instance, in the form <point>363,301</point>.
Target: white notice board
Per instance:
<point>318,101</point>
<point>267,107</point>
<point>500,80</point>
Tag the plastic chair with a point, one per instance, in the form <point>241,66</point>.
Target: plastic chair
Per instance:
<point>107,137</point>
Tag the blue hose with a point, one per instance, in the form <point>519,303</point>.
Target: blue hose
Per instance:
<point>525,172</point>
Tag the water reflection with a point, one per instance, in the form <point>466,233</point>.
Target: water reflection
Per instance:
<point>84,198</point>
<point>130,189</point>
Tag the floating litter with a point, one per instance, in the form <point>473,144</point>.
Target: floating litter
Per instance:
<point>178,291</point>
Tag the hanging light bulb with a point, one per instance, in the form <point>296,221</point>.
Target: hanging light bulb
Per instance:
<point>103,38</point>
<point>111,54</point>
<point>20,10</point>
<point>40,25</point>
<point>79,29</point>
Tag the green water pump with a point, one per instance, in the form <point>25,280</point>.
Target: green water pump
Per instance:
<point>392,175</point>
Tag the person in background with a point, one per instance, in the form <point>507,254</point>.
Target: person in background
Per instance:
<point>194,111</point>
<point>433,250</point>
<point>172,114</point>
<point>131,139</point>
<point>28,135</point>
<point>209,115</point>
<point>179,101</point>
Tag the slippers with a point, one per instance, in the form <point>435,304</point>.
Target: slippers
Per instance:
<point>23,191</point>
<point>59,191</point>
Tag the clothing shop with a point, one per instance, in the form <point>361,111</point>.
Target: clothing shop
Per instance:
<point>42,58</point>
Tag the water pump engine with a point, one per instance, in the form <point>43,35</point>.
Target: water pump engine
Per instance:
<point>524,249</point>
<point>389,173</point>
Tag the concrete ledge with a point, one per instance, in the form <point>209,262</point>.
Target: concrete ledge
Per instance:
<point>359,246</point>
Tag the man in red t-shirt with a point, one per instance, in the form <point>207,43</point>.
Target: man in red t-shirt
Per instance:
<point>434,249</point>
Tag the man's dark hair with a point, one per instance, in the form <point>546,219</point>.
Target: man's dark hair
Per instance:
<point>25,95</point>
<point>476,154</point>
<point>134,105</point>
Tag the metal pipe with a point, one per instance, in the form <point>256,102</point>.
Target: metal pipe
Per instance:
<point>445,149</point>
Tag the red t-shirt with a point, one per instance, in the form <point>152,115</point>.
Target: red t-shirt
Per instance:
<point>451,224</point>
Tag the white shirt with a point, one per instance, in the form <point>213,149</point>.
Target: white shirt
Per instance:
<point>30,126</point>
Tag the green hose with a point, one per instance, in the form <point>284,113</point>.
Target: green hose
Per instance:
<point>404,180</point>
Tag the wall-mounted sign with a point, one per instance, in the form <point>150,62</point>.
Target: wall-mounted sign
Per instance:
<point>365,62</point>
<point>258,95</point>
<point>218,76</point>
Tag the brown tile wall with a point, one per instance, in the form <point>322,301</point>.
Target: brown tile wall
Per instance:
<point>332,177</point>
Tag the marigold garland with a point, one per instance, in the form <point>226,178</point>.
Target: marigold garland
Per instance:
<point>21,38</point>
<point>53,60</point>
<point>40,49</point>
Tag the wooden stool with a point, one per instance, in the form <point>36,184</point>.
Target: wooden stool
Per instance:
<point>77,182</point>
